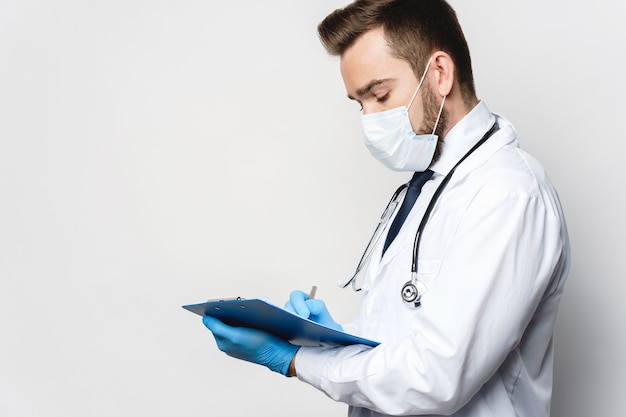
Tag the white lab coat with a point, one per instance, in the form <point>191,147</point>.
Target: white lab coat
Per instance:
<point>494,256</point>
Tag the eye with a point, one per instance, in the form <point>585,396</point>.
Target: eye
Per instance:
<point>382,99</point>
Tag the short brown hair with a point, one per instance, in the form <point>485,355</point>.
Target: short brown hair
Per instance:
<point>414,30</point>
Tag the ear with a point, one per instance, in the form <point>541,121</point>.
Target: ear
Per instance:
<point>443,73</point>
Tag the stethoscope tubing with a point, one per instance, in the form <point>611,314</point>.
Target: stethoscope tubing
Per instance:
<point>375,236</point>
<point>423,222</point>
<point>437,194</point>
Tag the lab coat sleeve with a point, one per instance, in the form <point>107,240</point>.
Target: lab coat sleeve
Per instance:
<point>495,271</point>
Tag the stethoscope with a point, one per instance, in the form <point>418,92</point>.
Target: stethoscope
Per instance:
<point>413,290</point>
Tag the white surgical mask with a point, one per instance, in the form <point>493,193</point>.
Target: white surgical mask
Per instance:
<point>390,138</point>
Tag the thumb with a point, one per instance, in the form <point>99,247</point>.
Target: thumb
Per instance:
<point>216,326</point>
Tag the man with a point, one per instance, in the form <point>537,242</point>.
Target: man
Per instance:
<point>468,331</point>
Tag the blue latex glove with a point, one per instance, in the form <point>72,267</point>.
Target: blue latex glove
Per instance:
<point>315,309</point>
<point>252,345</point>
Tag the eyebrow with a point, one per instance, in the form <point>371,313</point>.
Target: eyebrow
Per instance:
<point>367,88</point>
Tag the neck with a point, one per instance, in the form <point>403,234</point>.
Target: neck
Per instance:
<point>456,109</point>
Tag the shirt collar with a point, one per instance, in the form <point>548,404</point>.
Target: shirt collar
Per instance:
<point>460,139</point>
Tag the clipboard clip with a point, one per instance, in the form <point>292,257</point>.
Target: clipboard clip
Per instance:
<point>213,300</point>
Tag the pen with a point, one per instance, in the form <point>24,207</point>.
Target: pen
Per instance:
<point>312,293</point>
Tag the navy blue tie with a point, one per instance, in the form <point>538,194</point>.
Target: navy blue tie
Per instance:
<point>414,189</point>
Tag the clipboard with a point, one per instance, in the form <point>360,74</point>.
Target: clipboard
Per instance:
<point>259,314</point>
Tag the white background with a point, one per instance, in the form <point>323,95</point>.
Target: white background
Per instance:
<point>158,153</point>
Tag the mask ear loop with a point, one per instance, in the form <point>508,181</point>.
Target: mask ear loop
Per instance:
<point>418,88</point>
<point>420,83</point>
<point>439,115</point>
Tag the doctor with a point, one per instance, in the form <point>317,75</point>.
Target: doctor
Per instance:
<point>463,292</point>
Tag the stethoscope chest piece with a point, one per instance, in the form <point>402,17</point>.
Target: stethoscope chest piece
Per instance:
<point>412,293</point>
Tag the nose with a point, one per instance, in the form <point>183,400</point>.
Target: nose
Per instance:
<point>366,109</point>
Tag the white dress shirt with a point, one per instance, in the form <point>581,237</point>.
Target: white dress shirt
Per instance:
<point>494,257</point>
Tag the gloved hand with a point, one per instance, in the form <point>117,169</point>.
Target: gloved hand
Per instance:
<point>252,345</point>
<point>315,309</point>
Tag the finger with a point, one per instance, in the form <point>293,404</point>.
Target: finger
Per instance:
<point>216,326</point>
<point>298,299</point>
<point>316,306</point>
<point>289,307</point>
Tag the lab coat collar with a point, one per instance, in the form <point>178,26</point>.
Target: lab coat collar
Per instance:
<point>460,139</point>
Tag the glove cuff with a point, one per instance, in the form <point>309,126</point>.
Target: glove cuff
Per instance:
<point>280,363</point>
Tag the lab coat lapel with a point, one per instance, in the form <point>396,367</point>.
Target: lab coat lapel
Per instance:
<point>406,235</point>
